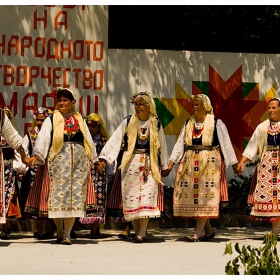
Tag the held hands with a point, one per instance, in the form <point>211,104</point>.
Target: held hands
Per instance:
<point>32,161</point>
<point>238,168</point>
<point>165,172</point>
<point>100,166</point>
<point>26,160</point>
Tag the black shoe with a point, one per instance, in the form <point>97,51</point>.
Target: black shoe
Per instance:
<point>125,236</point>
<point>37,234</point>
<point>59,240</point>
<point>93,236</point>
<point>131,236</point>
<point>4,236</point>
<point>47,235</point>
<point>73,234</point>
<point>96,235</point>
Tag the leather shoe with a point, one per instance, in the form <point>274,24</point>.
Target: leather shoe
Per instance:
<point>138,239</point>
<point>66,241</point>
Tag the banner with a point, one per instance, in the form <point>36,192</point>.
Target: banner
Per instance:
<point>43,47</point>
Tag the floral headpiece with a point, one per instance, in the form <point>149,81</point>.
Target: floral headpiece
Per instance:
<point>139,94</point>
<point>41,110</point>
<point>90,122</point>
<point>55,91</point>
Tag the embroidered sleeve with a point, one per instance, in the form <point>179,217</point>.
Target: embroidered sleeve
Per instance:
<point>178,150</point>
<point>12,137</point>
<point>112,148</point>
<point>225,144</point>
<point>251,150</point>
<point>43,141</point>
<point>163,149</point>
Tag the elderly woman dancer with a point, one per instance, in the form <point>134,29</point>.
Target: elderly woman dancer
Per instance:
<point>64,140</point>
<point>144,144</point>
<point>203,150</point>
<point>265,142</point>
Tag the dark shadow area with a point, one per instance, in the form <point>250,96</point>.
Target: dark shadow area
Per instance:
<point>211,28</point>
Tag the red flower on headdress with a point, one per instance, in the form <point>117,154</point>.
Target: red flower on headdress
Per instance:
<point>54,93</point>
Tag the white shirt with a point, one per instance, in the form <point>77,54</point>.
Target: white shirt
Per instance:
<point>14,140</point>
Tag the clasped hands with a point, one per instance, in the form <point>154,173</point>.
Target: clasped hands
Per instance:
<point>100,166</point>
<point>165,172</point>
<point>238,168</point>
<point>28,161</point>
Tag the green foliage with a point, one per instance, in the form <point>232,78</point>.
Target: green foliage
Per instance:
<point>255,261</point>
<point>238,189</point>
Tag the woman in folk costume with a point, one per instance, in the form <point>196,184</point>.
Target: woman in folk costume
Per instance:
<point>10,163</point>
<point>64,140</point>
<point>33,196</point>
<point>96,213</point>
<point>265,142</point>
<point>203,150</point>
<point>140,168</point>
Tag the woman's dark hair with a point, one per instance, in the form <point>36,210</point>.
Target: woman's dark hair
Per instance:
<point>65,93</point>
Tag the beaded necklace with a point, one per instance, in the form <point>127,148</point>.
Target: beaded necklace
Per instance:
<point>197,130</point>
<point>71,124</point>
<point>273,130</point>
<point>274,127</point>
